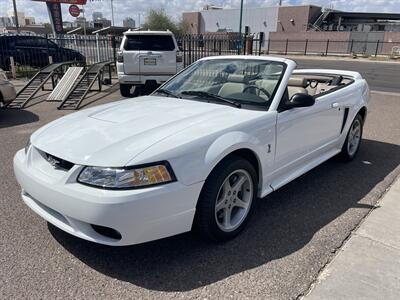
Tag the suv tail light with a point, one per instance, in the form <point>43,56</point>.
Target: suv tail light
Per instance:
<point>179,57</point>
<point>120,57</point>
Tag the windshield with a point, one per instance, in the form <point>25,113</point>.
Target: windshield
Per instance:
<point>243,81</point>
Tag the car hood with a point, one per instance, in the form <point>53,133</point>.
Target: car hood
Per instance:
<point>111,135</point>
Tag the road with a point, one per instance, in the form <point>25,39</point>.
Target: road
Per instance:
<point>294,233</point>
<point>380,76</point>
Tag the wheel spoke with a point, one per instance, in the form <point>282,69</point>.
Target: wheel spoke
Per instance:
<point>227,217</point>
<point>239,183</point>
<point>240,203</point>
<point>220,205</point>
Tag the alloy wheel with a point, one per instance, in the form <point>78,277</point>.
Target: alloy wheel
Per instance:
<point>354,138</point>
<point>234,200</point>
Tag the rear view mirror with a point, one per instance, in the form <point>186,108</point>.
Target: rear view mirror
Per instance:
<point>300,100</point>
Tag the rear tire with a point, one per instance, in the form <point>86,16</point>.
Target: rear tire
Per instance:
<point>125,90</point>
<point>149,87</point>
<point>138,91</point>
<point>227,200</point>
<point>2,103</point>
<point>352,143</point>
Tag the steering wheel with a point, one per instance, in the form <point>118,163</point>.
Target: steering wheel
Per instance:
<point>313,84</point>
<point>260,89</point>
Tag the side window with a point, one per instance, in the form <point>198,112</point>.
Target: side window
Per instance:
<point>24,41</point>
<point>39,42</point>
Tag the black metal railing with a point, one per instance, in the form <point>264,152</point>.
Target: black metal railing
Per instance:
<point>332,47</point>
<point>28,53</point>
<point>198,46</point>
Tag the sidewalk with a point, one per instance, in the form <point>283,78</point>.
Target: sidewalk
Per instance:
<point>368,265</point>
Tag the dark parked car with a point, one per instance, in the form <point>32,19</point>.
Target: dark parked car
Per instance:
<point>33,51</point>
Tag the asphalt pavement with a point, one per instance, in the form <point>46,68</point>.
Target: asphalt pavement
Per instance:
<point>381,76</point>
<point>368,265</point>
<point>294,233</point>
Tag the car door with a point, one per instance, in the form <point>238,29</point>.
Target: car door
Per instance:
<point>303,134</point>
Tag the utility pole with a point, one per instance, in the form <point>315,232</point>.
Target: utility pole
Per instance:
<point>280,2</point>
<point>84,21</point>
<point>112,12</point>
<point>240,28</point>
<point>16,16</point>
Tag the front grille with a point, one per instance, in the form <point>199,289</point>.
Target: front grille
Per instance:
<point>59,163</point>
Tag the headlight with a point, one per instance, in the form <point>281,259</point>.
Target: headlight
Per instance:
<point>127,178</point>
<point>28,144</point>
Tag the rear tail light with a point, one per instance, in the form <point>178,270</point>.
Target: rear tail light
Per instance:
<point>179,57</point>
<point>120,57</point>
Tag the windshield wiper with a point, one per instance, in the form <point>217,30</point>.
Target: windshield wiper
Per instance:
<point>166,92</point>
<point>213,96</point>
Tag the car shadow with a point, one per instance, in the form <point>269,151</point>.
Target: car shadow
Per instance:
<point>284,222</point>
<point>14,117</point>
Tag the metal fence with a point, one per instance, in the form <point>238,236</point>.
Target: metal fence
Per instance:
<point>28,53</point>
<point>195,47</point>
<point>332,47</point>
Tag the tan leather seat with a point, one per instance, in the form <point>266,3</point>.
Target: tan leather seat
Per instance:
<point>297,85</point>
<point>235,84</point>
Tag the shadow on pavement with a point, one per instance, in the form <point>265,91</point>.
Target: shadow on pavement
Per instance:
<point>284,223</point>
<point>14,117</point>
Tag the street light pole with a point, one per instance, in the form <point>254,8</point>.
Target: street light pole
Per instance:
<point>240,27</point>
<point>112,12</point>
<point>16,16</point>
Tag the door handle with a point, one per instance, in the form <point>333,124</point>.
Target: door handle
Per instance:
<point>335,105</point>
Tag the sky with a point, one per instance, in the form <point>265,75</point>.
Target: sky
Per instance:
<point>124,8</point>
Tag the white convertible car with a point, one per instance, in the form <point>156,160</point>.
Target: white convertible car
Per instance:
<point>196,154</point>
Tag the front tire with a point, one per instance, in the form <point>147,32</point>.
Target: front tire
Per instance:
<point>353,140</point>
<point>227,200</point>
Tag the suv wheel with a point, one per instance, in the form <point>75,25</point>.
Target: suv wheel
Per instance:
<point>138,91</point>
<point>227,200</point>
<point>125,90</point>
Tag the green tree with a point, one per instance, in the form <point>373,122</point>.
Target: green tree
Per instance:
<point>183,27</point>
<point>159,20</point>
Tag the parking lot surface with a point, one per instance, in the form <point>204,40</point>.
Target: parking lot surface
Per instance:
<point>293,234</point>
<point>381,76</point>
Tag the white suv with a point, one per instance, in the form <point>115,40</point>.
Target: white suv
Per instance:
<point>146,60</point>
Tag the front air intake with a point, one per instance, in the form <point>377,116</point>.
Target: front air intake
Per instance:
<point>107,232</point>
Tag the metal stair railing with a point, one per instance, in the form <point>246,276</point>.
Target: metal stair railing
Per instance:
<point>37,82</point>
<point>84,85</point>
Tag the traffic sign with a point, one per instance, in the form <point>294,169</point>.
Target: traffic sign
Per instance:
<point>74,10</point>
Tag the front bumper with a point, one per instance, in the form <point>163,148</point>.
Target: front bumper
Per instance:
<point>140,215</point>
<point>8,92</point>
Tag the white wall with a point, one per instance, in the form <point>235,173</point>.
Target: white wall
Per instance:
<point>229,18</point>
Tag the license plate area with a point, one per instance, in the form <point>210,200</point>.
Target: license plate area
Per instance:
<point>150,61</point>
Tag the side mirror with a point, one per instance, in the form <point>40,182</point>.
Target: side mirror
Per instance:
<point>300,100</point>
